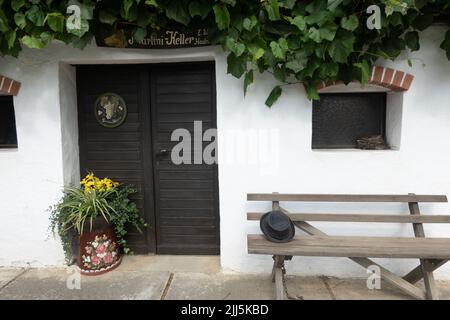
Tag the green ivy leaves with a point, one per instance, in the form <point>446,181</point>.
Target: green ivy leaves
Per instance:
<point>327,32</point>
<point>17,4</point>
<point>237,66</point>
<point>222,16</point>
<point>107,17</point>
<point>20,20</point>
<point>178,11</point>
<point>256,52</point>
<point>365,70</point>
<point>342,46</point>
<point>10,37</point>
<point>198,9</point>
<point>298,21</point>
<point>446,44</point>
<point>296,41</point>
<point>249,23</point>
<point>279,48</point>
<point>37,42</point>
<point>56,21</point>
<point>412,40</point>
<point>126,12</point>
<point>273,96</point>
<point>248,80</point>
<point>350,23</point>
<point>234,46</point>
<point>3,22</point>
<point>36,16</point>
<point>273,9</point>
<point>298,62</point>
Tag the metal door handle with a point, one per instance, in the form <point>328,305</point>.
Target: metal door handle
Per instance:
<point>162,153</point>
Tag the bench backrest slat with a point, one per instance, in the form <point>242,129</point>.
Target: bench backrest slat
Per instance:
<point>345,197</point>
<point>341,217</point>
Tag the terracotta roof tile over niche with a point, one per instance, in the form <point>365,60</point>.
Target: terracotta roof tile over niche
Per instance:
<point>394,80</point>
<point>9,86</point>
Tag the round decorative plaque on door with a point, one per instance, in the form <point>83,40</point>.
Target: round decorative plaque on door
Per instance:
<point>110,110</point>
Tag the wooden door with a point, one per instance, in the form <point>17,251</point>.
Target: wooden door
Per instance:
<point>180,202</point>
<point>122,153</point>
<point>186,195</point>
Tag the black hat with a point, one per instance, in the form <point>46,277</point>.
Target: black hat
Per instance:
<point>277,226</point>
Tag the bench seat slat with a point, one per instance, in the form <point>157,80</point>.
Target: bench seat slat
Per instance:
<point>340,246</point>
<point>345,197</point>
<point>345,217</point>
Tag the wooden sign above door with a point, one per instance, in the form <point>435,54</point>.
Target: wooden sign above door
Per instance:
<point>161,39</point>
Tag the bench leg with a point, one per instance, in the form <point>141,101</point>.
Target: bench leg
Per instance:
<point>278,262</point>
<point>277,277</point>
<point>279,286</point>
<point>428,278</point>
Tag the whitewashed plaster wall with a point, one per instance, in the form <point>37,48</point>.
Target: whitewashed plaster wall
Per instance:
<point>31,176</point>
<point>282,160</point>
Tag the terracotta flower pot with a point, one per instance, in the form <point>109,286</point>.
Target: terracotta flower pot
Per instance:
<point>98,251</point>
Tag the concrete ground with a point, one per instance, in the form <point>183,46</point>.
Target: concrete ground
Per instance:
<point>182,278</point>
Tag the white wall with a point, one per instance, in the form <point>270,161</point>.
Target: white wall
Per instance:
<point>31,177</point>
<point>421,165</point>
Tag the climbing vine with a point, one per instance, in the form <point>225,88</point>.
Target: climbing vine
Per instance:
<point>296,41</point>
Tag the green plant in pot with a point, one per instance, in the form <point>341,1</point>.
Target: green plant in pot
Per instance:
<point>92,221</point>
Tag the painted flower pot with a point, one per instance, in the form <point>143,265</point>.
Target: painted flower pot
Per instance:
<point>98,250</point>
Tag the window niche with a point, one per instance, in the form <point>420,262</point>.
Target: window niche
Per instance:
<point>357,120</point>
<point>8,134</point>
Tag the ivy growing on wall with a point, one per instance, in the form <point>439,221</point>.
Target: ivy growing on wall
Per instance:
<point>296,41</point>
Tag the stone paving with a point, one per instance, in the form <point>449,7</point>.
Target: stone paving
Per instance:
<point>183,278</point>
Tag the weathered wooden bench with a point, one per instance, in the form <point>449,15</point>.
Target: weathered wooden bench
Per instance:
<point>431,252</point>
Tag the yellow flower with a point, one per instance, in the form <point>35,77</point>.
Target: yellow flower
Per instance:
<point>99,186</point>
<point>104,184</point>
<point>91,182</point>
<point>88,186</point>
<point>89,177</point>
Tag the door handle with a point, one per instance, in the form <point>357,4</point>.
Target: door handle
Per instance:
<point>162,153</point>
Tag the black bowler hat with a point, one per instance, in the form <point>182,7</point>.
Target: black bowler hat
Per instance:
<point>277,226</point>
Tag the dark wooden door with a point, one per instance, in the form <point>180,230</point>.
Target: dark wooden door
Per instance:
<point>122,153</point>
<point>186,195</point>
<point>179,202</point>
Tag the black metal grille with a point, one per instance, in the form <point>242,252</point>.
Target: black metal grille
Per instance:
<point>339,119</point>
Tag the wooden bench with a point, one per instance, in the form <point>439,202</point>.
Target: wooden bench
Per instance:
<point>431,252</point>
